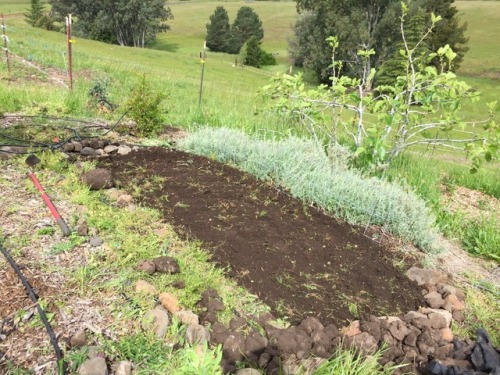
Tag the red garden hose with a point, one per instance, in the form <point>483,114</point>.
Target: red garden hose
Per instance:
<point>59,220</point>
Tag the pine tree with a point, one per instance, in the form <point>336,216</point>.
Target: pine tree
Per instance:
<point>447,31</point>
<point>218,30</point>
<point>35,15</point>
<point>246,25</point>
<point>414,30</point>
<point>252,53</point>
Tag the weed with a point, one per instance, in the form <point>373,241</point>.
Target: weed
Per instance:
<point>76,357</point>
<point>348,362</point>
<point>46,231</point>
<point>63,247</point>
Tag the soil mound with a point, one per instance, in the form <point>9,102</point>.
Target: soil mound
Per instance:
<point>297,259</point>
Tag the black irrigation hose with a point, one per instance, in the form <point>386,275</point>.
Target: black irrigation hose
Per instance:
<point>53,339</point>
<point>58,145</point>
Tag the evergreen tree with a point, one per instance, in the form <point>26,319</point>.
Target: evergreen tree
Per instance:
<point>35,13</point>
<point>218,30</point>
<point>447,31</point>
<point>414,30</point>
<point>246,25</point>
<point>365,24</point>
<point>252,53</point>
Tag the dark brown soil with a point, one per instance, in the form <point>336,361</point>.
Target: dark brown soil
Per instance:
<point>298,260</point>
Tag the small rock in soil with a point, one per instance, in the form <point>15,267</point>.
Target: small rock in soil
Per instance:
<point>98,179</point>
<point>68,147</point>
<point>458,316</point>
<point>77,146</point>
<point>237,324</point>
<point>110,149</point>
<point>233,348</point>
<point>447,315</point>
<point>124,200</point>
<point>248,371</point>
<point>142,286</point>
<point>446,290</point>
<point>255,344</point>
<point>157,320</point>
<point>399,330</point>
<point>95,241</point>
<point>166,264</point>
<point>423,276</point>
<point>179,284</point>
<point>82,230</point>
<point>79,339</point>
<point>94,366</point>
<point>187,317</point>
<point>215,305</point>
<point>146,266</point>
<point>123,150</point>
<point>95,351</point>
<point>169,302</point>
<point>124,368</point>
<point>197,334</point>
<point>87,151</point>
<point>434,300</point>
<point>32,160</point>
<point>365,343</point>
<point>310,324</point>
<point>352,330</point>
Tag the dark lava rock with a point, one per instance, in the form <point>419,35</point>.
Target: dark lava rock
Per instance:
<point>166,264</point>
<point>373,328</point>
<point>98,179</point>
<point>88,151</point>
<point>146,266</point>
<point>215,305</point>
<point>95,241</point>
<point>291,340</point>
<point>255,344</point>
<point>309,325</point>
<point>219,333</point>
<point>238,324</point>
<point>32,160</point>
<point>233,348</point>
<point>179,284</point>
<point>485,357</point>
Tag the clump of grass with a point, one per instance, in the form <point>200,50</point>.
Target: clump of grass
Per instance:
<point>348,362</point>
<point>306,171</point>
<point>482,310</point>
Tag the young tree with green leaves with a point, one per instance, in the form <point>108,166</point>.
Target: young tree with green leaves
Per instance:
<point>421,107</point>
<point>218,30</point>
<point>125,22</point>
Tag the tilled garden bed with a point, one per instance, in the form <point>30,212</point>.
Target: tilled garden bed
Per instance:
<point>297,259</point>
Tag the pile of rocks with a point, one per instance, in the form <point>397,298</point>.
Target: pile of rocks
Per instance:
<point>96,147</point>
<point>86,147</point>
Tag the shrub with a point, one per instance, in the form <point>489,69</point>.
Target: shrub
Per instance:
<point>303,168</point>
<point>144,107</point>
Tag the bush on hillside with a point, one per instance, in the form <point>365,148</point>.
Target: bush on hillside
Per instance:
<point>144,106</point>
